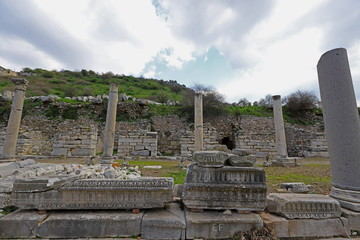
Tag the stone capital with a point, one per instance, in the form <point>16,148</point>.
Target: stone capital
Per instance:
<point>114,87</point>
<point>20,84</point>
<point>276,97</point>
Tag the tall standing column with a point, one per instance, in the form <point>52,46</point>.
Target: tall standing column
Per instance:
<point>342,126</point>
<point>198,130</point>
<point>281,149</point>
<point>107,157</point>
<point>12,130</point>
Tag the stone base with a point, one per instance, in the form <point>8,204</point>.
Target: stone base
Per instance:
<point>166,223</point>
<point>306,228</point>
<point>75,224</point>
<point>353,218</point>
<point>347,198</point>
<point>216,225</point>
<point>282,162</point>
<point>107,160</point>
<point>240,188</point>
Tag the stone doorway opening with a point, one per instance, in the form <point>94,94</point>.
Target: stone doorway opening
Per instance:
<point>227,142</point>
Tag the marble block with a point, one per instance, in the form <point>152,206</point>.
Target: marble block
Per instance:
<point>291,206</point>
<point>241,188</point>
<point>137,193</point>
<point>210,158</point>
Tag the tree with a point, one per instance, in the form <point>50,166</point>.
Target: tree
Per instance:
<point>213,101</point>
<point>266,102</point>
<point>301,100</point>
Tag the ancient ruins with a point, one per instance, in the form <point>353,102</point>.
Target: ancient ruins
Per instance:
<point>224,193</point>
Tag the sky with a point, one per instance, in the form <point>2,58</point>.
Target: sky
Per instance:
<point>242,48</point>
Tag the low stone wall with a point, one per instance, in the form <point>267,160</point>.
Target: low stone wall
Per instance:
<point>79,141</point>
<point>137,143</point>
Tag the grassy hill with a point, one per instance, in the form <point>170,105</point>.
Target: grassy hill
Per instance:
<point>88,83</point>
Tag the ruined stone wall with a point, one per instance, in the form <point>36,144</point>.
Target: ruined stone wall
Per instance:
<point>137,143</point>
<point>170,129</point>
<point>77,142</point>
<point>40,136</point>
<point>187,140</point>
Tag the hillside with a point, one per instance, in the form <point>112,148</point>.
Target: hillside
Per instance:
<point>88,83</point>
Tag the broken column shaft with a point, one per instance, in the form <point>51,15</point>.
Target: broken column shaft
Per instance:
<point>107,157</point>
<point>198,124</point>
<point>342,126</point>
<point>12,130</point>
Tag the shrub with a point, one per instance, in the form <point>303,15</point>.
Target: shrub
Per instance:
<point>70,112</point>
<point>301,100</point>
<point>48,74</point>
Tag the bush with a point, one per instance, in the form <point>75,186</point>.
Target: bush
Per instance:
<point>48,74</point>
<point>301,100</point>
<point>70,112</point>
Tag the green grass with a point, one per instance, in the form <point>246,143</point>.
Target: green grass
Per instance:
<point>178,176</point>
<point>297,177</point>
<point>258,111</point>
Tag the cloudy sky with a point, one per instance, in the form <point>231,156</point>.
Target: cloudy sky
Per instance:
<point>243,48</point>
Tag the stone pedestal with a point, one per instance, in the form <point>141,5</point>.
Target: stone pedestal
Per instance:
<point>12,130</point>
<point>211,185</point>
<point>216,225</point>
<point>342,126</point>
<point>305,228</point>
<point>84,194</point>
<point>282,155</point>
<point>198,125</point>
<point>107,157</point>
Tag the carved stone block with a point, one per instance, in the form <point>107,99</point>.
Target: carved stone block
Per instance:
<point>210,158</point>
<point>242,161</point>
<point>301,206</point>
<point>216,225</point>
<point>100,194</point>
<point>241,188</point>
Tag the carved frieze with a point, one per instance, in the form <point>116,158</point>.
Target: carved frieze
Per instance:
<point>210,158</point>
<point>303,205</point>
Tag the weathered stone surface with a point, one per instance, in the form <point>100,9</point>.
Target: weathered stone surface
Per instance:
<point>241,152</point>
<point>26,162</point>
<point>242,188</point>
<point>281,147</point>
<point>61,224</point>
<point>303,206</point>
<point>101,194</point>
<point>341,118</point>
<point>166,223</point>
<point>216,225</point>
<point>77,224</point>
<point>305,228</point>
<point>20,224</point>
<point>5,200</point>
<point>353,218</point>
<point>347,198</point>
<point>296,187</point>
<point>210,158</point>
<point>241,161</point>
<point>42,184</point>
<point>198,123</point>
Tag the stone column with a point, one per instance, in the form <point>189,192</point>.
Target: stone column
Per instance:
<point>12,130</point>
<point>342,126</point>
<point>281,148</point>
<point>198,125</point>
<point>107,157</point>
